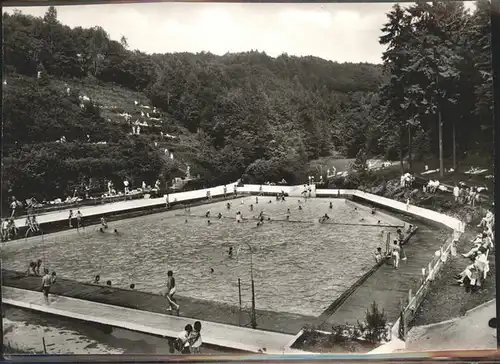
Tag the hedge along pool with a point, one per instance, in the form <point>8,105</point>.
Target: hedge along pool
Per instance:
<point>300,266</point>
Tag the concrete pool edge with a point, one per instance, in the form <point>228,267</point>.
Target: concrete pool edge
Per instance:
<point>295,191</point>
<point>417,212</point>
<point>226,336</point>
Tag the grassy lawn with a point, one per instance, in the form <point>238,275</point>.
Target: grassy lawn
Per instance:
<point>447,300</point>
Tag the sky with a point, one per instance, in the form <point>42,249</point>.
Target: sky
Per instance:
<point>337,32</point>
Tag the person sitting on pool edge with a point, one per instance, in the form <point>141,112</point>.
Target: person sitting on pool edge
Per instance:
<point>108,283</point>
<point>97,279</point>
<point>31,268</point>
<point>38,267</point>
<point>378,255</point>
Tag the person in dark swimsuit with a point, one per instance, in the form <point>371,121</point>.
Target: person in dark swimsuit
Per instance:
<point>46,284</point>
<point>171,292</point>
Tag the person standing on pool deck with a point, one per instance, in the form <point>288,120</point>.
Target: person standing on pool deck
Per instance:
<point>46,283</point>
<point>171,292</point>
<point>38,267</point>
<point>79,217</point>
<point>401,239</point>
<point>70,218</point>
<point>396,249</point>
<point>378,255</point>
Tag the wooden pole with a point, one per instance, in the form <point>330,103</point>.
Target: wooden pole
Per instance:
<point>254,319</point>
<point>239,291</point>
<point>454,147</point>
<point>239,295</point>
<point>388,243</point>
<point>409,148</point>
<point>440,127</point>
<point>44,346</point>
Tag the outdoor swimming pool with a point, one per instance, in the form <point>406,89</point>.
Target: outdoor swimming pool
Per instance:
<point>300,266</point>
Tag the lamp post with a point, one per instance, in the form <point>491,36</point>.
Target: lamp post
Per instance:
<point>253,316</point>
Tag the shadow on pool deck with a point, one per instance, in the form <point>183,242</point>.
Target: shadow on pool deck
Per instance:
<point>197,309</point>
<point>387,286</point>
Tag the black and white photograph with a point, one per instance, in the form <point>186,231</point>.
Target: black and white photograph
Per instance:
<point>212,179</point>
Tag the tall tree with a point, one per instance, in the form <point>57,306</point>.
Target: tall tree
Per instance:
<point>99,44</point>
<point>397,37</point>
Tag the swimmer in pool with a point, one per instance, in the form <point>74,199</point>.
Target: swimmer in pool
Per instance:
<point>228,206</point>
<point>300,207</point>
<point>230,252</point>
<point>116,231</point>
<point>324,218</point>
<point>331,205</point>
<point>270,201</point>
<point>211,270</point>
<point>251,207</point>
<point>209,223</point>
<point>207,215</point>
<point>219,216</point>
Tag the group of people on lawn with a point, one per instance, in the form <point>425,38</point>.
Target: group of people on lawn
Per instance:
<point>473,276</point>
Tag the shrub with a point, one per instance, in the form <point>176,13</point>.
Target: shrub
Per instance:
<point>376,324</point>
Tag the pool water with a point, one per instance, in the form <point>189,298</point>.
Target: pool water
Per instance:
<point>300,266</point>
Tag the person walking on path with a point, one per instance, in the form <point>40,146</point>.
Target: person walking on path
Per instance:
<point>79,217</point>
<point>456,193</point>
<point>171,292</point>
<point>70,218</point>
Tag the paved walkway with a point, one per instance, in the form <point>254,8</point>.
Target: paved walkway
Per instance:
<point>281,322</point>
<point>149,322</point>
<point>386,286</point>
<point>114,207</point>
<point>470,332</point>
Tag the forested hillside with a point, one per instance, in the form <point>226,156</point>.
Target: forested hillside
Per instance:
<point>235,115</point>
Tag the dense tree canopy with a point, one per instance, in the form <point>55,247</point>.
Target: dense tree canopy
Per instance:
<point>244,114</point>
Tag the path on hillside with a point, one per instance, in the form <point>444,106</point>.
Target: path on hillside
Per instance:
<point>470,332</point>
<point>386,286</point>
